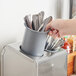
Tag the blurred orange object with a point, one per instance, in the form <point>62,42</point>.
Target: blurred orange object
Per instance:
<point>67,46</point>
<point>70,40</point>
<point>70,66</point>
<point>75,64</point>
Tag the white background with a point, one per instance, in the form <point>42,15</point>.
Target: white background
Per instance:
<point>12,13</point>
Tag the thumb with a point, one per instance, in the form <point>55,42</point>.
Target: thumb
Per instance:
<point>48,27</point>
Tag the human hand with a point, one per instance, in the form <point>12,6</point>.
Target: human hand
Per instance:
<point>55,27</point>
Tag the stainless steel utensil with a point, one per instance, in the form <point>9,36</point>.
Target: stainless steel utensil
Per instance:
<point>28,21</point>
<point>57,43</point>
<point>40,28</point>
<point>49,41</point>
<point>35,19</point>
<point>33,27</point>
<point>41,17</point>
<point>46,21</point>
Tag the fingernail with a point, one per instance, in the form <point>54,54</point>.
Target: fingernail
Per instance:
<point>50,33</point>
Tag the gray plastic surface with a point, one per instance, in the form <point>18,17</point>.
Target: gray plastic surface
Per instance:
<point>34,42</point>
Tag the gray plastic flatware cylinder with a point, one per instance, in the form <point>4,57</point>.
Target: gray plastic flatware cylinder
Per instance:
<point>34,42</point>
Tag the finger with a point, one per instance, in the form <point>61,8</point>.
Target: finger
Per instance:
<point>50,33</point>
<point>54,33</point>
<point>48,26</point>
<point>57,35</point>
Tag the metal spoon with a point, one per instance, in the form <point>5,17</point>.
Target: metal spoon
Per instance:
<point>35,20</point>
<point>28,21</point>
<point>41,17</point>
